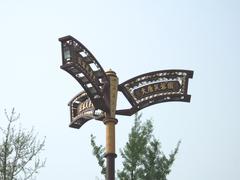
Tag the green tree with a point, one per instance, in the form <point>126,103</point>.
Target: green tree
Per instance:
<point>19,150</point>
<point>142,155</point>
<point>98,151</point>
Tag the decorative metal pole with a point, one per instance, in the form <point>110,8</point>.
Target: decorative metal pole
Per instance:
<point>110,122</point>
<point>99,99</point>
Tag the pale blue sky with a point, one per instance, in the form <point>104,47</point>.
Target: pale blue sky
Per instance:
<point>131,37</point>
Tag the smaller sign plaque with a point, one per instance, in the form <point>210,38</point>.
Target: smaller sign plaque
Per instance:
<point>83,110</point>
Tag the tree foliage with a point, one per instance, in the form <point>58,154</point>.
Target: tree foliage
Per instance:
<point>142,155</point>
<point>98,151</point>
<point>19,150</point>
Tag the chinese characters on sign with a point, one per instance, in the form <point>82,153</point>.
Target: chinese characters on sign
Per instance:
<point>83,110</point>
<point>155,87</point>
<point>99,98</point>
<point>100,91</point>
<point>83,66</point>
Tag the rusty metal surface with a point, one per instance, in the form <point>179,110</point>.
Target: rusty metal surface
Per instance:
<point>155,87</point>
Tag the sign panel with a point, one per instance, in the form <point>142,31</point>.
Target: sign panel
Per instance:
<point>83,66</point>
<point>155,87</point>
<point>100,91</point>
<point>82,110</point>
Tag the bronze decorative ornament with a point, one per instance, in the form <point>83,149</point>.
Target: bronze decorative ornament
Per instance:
<point>82,110</point>
<point>82,65</point>
<point>99,98</point>
<point>155,87</point>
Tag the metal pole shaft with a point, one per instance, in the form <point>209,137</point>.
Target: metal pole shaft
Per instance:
<point>110,167</point>
<point>110,148</point>
<point>110,122</point>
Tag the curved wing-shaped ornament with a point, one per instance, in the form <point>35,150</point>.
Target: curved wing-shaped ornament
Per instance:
<point>78,61</point>
<point>155,87</point>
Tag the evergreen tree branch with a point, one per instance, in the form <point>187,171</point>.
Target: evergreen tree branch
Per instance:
<point>98,152</point>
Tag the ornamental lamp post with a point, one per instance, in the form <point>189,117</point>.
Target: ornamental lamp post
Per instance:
<point>98,100</point>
